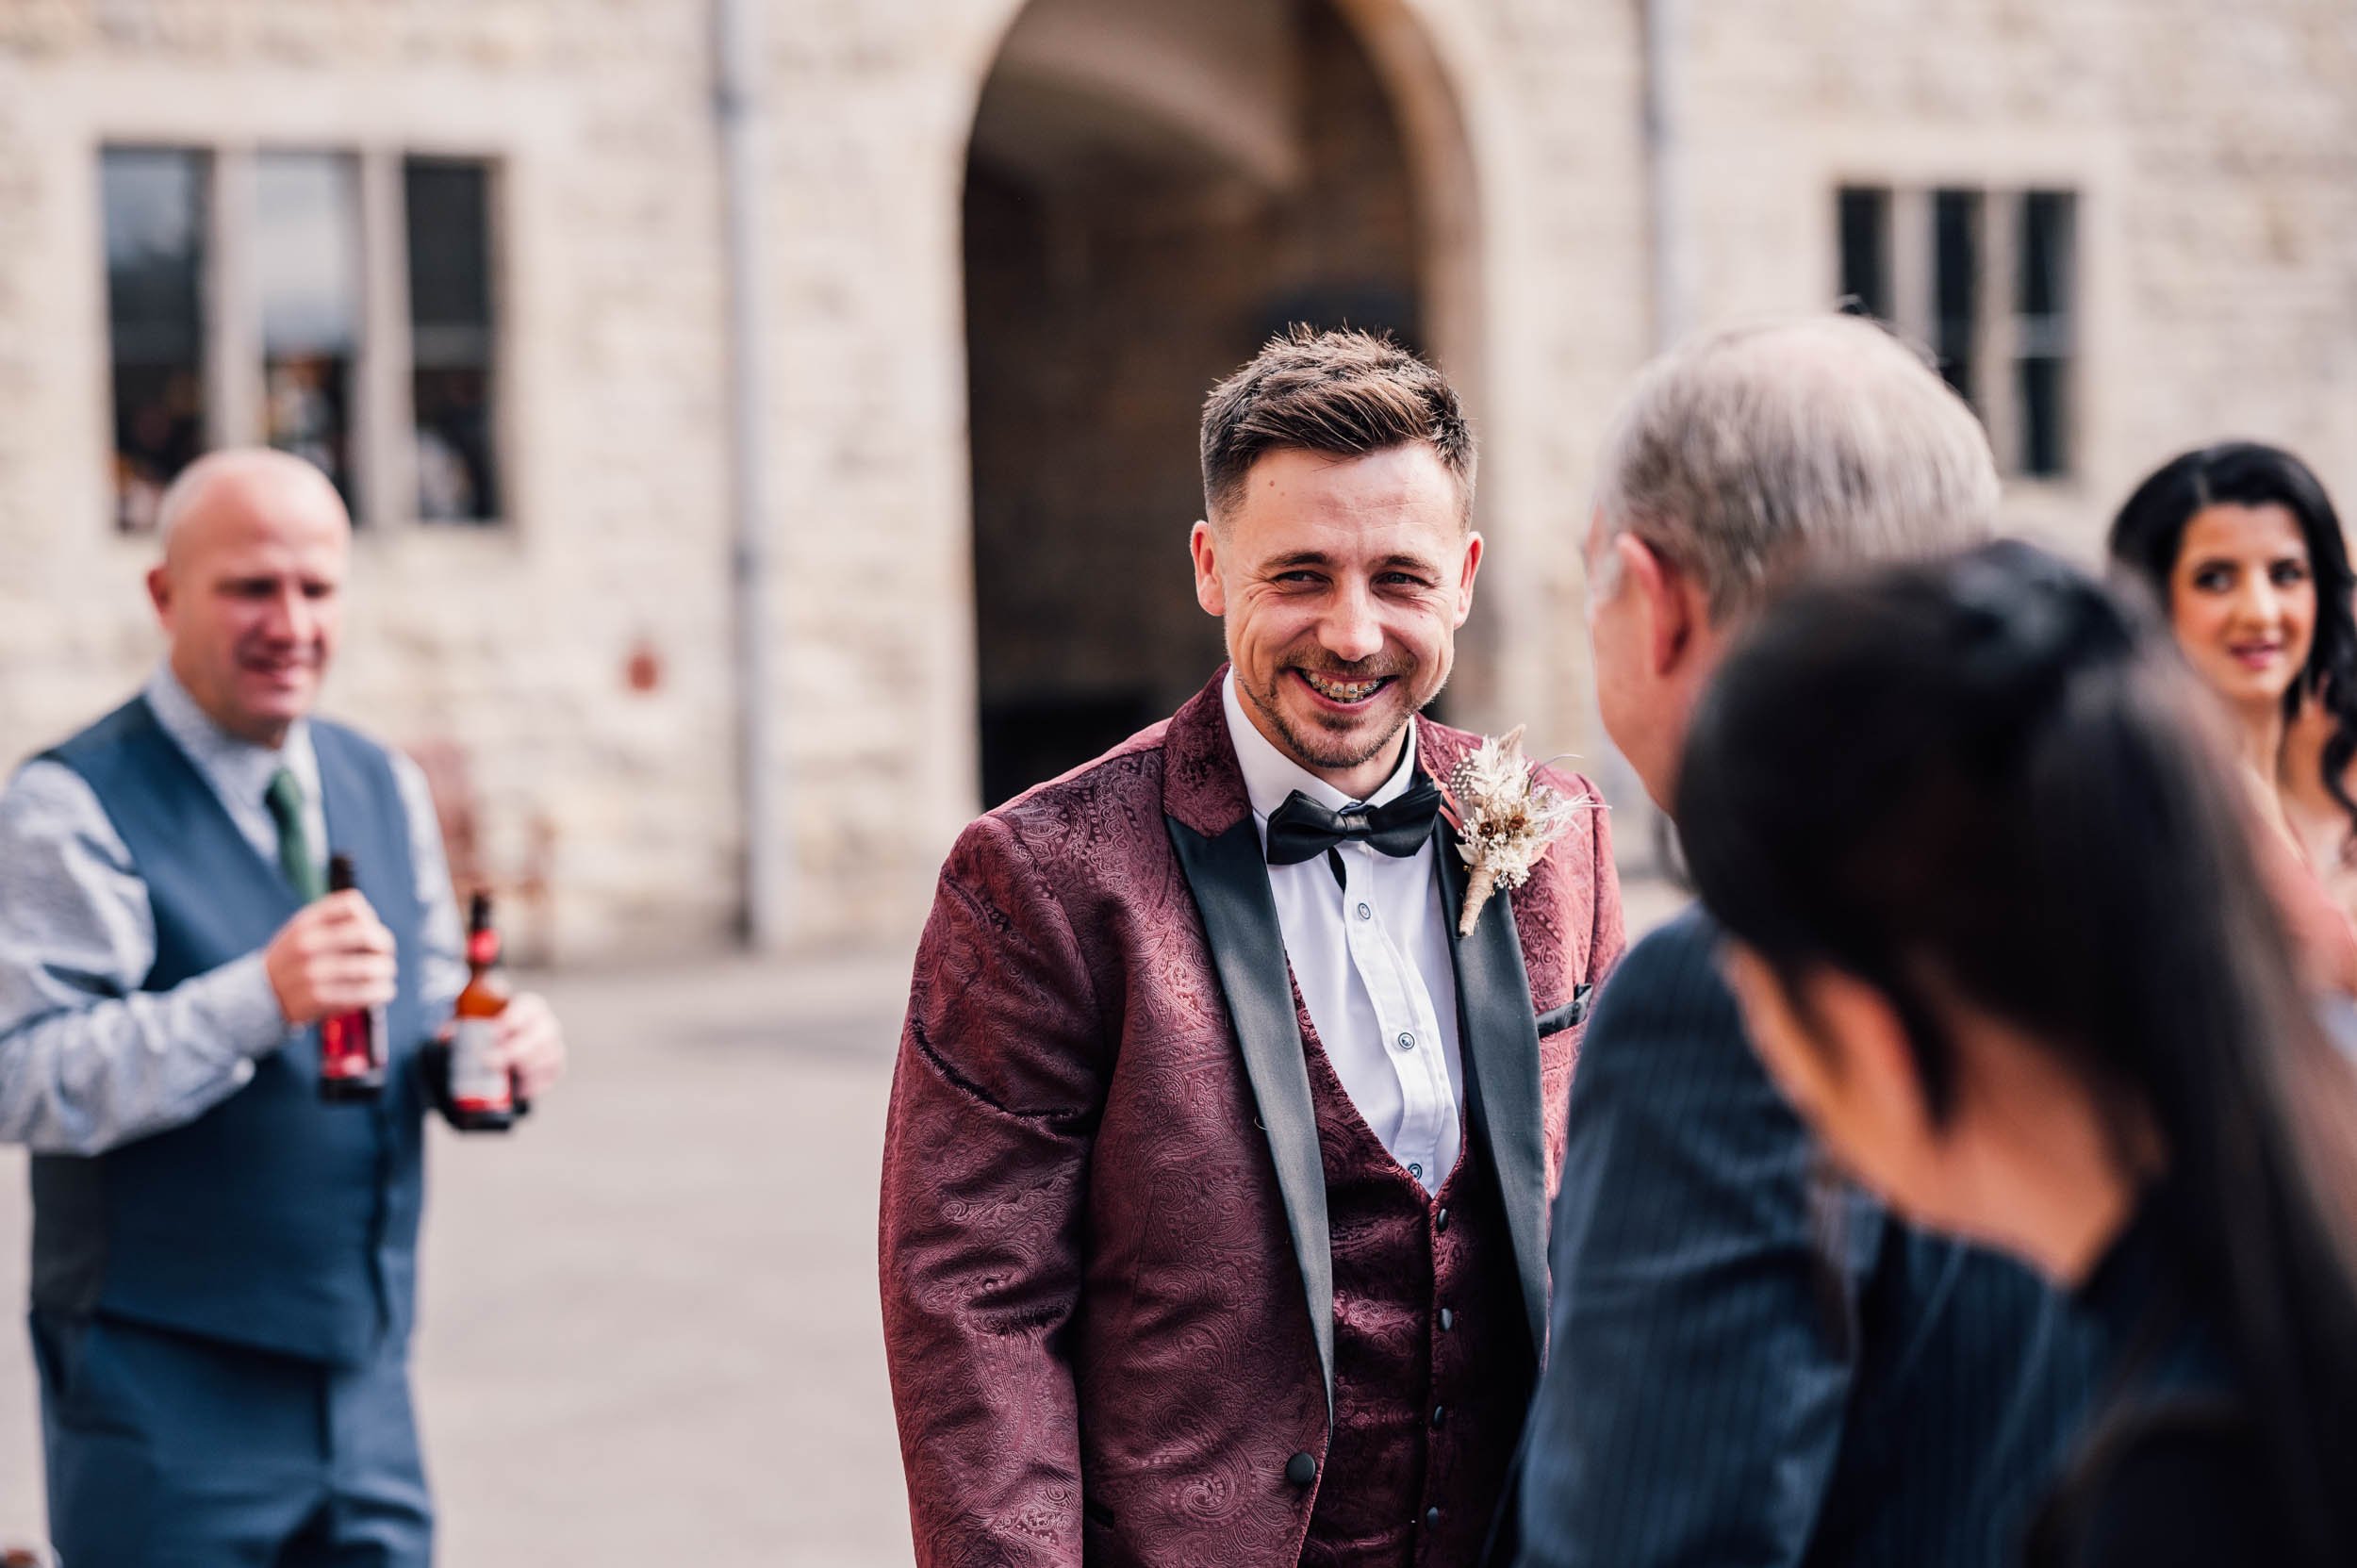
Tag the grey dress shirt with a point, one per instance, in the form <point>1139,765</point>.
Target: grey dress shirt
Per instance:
<point>89,1061</point>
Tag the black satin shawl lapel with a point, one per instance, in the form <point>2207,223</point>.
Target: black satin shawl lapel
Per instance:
<point>1228,876</point>
<point>1500,1040</point>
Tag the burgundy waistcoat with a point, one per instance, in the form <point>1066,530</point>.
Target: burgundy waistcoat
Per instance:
<point>1427,1407</point>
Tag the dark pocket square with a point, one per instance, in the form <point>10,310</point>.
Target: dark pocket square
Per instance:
<point>1567,1015</point>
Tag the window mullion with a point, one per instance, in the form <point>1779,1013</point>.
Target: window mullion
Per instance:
<point>1913,307</point>
<point>383,450</point>
<point>1998,330</point>
<point>232,320</point>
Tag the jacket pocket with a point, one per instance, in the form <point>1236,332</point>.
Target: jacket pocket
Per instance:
<point>1570,1015</point>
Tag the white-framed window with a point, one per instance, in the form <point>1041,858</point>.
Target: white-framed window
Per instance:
<point>1987,278</point>
<point>338,305</point>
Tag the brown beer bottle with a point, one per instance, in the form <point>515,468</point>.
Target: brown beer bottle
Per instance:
<point>481,1091</point>
<point>352,1045</point>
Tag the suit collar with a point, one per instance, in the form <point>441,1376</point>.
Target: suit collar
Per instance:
<point>1227,873</point>
<point>1499,1028</point>
<point>1500,1034</point>
<point>1202,783</point>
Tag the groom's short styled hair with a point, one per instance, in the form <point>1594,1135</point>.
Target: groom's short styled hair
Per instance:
<point>1346,393</point>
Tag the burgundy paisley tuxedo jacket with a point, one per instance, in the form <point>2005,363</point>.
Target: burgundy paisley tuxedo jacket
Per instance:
<point>1106,1269</point>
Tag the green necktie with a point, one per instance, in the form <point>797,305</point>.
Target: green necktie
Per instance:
<point>285,796</point>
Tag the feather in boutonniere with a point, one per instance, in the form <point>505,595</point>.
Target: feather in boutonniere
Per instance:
<point>1504,817</point>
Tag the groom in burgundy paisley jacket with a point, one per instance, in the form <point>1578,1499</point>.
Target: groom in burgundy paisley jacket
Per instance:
<point>1218,1167</point>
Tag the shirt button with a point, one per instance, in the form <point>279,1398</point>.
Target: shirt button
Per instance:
<point>1416,1171</point>
<point>1448,1320</point>
<point>1366,912</point>
<point>1406,1042</point>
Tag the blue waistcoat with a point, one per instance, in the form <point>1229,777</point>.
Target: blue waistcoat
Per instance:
<point>273,1221</point>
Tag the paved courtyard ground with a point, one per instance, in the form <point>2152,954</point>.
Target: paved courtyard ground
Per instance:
<point>649,1331</point>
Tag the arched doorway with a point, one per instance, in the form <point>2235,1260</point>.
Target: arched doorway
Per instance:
<point>1152,191</point>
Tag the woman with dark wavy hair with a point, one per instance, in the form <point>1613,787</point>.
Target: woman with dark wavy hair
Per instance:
<point>2240,546</point>
<point>1994,918</point>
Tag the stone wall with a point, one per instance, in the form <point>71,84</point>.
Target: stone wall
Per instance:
<point>510,645</point>
<point>2211,151</point>
<point>2218,216</point>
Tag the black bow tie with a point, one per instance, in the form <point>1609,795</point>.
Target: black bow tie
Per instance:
<point>1302,830</point>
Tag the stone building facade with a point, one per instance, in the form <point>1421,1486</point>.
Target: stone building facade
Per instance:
<point>1002,252</point>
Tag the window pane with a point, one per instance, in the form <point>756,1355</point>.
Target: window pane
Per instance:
<point>307,261</point>
<point>450,338</point>
<point>2045,329</point>
<point>1956,285</point>
<point>1864,216</point>
<point>2044,453</point>
<point>155,206</point>
<point>2046,224</point>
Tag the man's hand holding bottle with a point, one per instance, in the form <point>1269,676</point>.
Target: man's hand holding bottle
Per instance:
<point>335,956</point>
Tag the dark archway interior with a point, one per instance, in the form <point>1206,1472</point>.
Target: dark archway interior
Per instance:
<point>1152,192</point>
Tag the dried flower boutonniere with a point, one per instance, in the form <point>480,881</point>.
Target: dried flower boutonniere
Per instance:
<point>1505,817</point>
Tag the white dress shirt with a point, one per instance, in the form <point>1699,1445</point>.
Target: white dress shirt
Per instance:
<point>88,1059</point>
<point>1372,956</point>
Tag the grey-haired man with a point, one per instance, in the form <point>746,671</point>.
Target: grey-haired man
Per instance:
<point>1749,1364</point>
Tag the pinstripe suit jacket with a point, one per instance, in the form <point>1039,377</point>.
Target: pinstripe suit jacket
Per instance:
<point>1750,1366</point>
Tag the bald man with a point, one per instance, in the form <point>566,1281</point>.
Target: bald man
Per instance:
<point>222,1263</point>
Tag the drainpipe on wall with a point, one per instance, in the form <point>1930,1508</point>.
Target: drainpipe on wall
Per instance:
<point>1665,34</point>
<point>765,867</point>
<point>1663,23</point>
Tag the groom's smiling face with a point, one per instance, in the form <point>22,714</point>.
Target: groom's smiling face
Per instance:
<point>1343,582</point>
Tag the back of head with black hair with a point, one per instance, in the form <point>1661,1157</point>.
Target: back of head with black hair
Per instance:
<point>1988,778</point>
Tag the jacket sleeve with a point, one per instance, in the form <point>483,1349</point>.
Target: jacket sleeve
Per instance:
<point>994,1102</point>
<point>1578,949</point>
<point>1608,938</point>
<point>1690,1411</point>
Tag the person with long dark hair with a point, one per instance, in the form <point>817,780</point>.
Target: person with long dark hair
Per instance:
<point>2240,548</point>
<point>1998,932</point>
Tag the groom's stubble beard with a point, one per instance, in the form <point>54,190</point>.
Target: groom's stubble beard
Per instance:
<point>1336,743</point>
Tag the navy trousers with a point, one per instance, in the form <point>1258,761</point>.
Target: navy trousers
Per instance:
<point>168,1451</point>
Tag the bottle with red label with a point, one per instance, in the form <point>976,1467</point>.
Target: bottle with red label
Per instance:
<point>352,1045</point>
<point>481,1091</point>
